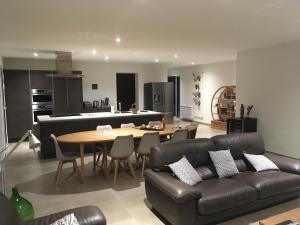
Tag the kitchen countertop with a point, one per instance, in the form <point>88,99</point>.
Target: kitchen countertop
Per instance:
<point>94,115</point>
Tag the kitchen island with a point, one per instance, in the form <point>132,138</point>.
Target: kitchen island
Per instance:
<point>60,125</point>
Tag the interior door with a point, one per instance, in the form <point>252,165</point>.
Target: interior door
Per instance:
<point>125,90</point>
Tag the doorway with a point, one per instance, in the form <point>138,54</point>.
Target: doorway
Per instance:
<point>125,90</point>
<point>176,93</point>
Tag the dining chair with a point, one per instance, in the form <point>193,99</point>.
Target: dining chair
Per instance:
<point>143,151</point>
<point>67,157</point>
<point>99,147</point>
<point>121,150</point>
<point>127,125</point>
<point>192,130</point>
<point>179,135</point>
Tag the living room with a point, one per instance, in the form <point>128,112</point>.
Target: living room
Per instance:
<point>248,51</point>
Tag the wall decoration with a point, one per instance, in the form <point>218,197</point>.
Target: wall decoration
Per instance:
<point>197,109</point>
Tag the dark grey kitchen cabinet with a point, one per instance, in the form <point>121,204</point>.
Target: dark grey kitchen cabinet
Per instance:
<point>39,80</point>
<point>67,93</point>
<point>18,103</point>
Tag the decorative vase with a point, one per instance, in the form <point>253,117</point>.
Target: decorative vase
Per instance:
<point>22,205</point>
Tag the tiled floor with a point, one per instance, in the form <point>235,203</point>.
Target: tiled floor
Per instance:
<point>123,204</point>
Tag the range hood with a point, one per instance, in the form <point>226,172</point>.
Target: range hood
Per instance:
<point>63,64</point>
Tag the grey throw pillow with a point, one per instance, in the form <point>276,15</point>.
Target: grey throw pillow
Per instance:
<point>224,163</point>
<point>185,171</point>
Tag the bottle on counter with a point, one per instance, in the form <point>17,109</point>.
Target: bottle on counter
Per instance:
<point>112,109</point>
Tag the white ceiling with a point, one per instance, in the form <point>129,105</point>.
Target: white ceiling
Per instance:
<point>200,31</point>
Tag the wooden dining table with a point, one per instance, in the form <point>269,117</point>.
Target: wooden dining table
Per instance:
<point>104,137</point>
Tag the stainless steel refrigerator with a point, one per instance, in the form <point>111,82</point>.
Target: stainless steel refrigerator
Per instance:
<point>158,96</point>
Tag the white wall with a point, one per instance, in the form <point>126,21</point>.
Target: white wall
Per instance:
<point>102,73</point>
<point>213,76</point>
<point>269,78</point>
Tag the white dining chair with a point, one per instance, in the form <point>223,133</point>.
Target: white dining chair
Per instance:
<point>143,151</point>
<point>121,150</point>
<point>99,147</point>
<point>68,157</point>
<point>179,135</point>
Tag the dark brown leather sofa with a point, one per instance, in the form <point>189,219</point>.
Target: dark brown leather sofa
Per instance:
<point>217,199</point>
<point>87,215</point>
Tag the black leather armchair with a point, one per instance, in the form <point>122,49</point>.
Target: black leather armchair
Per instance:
<point>87,215</point>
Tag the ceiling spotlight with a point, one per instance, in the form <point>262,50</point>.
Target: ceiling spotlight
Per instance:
<point>175,56</point>
<point>94,51</point>
<point>106,58</point>
<point>35,54</point>
<point>193,63</point>
<point>118,40</point>
<point>156,60</point>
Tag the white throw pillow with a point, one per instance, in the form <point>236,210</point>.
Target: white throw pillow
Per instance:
<point>224,163</point>
<point>260,162</point>
<point>67,220</point>
<point>185,171</point>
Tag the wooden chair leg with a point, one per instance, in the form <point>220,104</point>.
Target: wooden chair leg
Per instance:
<point>77,170</point>
<point>98,158</point>
<point>59,172</point>
<point>110,165</point>
<point>129,163</point>
<point>143,165</point>
<point>116,161</point>
<point>94,158</point>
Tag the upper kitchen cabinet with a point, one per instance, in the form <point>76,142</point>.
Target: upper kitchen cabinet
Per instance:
<point>39,80</point>
<point>18,102</point>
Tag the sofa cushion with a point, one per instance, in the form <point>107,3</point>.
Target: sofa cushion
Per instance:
<point>222,193</point>
<point>251,143</point>
<point>269,183</point>
<point>167,153</point>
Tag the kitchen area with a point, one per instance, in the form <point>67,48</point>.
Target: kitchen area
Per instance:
<point>51,101</point>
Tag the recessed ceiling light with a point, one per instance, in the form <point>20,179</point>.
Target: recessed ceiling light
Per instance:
<point>35,54</point>
<point>106,58</point>
<point>193,63</point>
<point>175,56</point>
<point>156,60</point>
<point>118,39</point>
<point>94,51</point>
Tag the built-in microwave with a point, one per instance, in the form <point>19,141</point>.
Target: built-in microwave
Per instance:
<point>41,96</point>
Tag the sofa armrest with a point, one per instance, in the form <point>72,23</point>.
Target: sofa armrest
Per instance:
<point>285,163</point>
<point>175,189</point>
<point>87,215</point>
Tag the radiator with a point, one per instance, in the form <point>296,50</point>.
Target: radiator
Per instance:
<point>186,112</point>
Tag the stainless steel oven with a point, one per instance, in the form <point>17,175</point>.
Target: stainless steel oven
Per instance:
<point>41,96</point>
<point>41,110</point>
